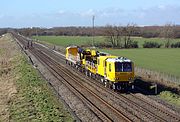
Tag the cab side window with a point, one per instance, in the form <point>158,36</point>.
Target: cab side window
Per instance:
<point>109,67</point>
<point>98,62</point>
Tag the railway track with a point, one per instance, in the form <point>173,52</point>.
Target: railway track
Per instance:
<point>94,102</point>
<point>150,111</point>
<point>137,106</point>
<point>160,110</point>
<point>141,109</point>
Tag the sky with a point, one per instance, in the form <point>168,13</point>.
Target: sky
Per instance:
<point>53,13</point>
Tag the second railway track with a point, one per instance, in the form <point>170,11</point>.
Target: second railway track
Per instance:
<point>148,111</point>
<point>140,109</point>
<point>101,108</point>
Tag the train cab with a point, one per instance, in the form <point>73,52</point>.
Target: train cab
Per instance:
<point>120,71</point>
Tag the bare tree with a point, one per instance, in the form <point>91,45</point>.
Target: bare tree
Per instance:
<point>168,32</point>
<point>127,33</point>
<point>110,35</point>
<point>119,35</point>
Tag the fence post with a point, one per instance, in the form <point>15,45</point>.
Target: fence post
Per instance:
<point>156,89</point>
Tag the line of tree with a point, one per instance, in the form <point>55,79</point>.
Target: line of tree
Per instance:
<point>116,36</point>
<point>146,31</point>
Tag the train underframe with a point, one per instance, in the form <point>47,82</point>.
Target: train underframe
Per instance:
<point>118,86</point>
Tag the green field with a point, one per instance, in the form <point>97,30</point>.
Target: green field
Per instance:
<point>162,60</point>
<point>85,40</point>
<point>69,40</point>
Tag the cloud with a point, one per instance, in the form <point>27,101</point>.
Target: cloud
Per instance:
<point>89,12</point>
<point>61,12</point>
<point>1,15</point>
<point>157,15</point>
<point>162,7</point>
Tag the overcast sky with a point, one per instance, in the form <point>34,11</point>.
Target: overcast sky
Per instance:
<point>51,13</point>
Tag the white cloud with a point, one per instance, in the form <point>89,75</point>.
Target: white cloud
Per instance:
<point>89,12</point>
<point>162,7</point>
<point>61,12</point>
<point>2,15</point>
<point>142,16</point>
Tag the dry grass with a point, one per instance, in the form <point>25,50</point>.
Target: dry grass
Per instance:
<point>7,76</point>
<point>24,95</point>
<point>162,78</point>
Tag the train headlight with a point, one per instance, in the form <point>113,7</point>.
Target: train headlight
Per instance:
<point>130,78</point>
<point>116,78</point>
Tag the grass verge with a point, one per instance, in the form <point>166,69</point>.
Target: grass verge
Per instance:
<point>34,100</point>
<point>170,97</point>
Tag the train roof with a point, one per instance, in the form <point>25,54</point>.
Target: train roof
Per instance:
<point>118,59</point>
<point>71,47</point>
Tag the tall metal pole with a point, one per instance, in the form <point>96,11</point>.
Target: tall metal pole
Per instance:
<point>93,19</point>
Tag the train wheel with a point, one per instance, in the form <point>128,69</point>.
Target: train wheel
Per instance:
<point>81,70</point>
<point>90,74</point>
<point>77,67</point>
<point>108,85</point>
<point>102,80</point>
<point>114,87</point>
<point>95,76</point>
<point>111,86</point>
<point>105,84</point>
<point>86,72</point>
<point>132,87</point>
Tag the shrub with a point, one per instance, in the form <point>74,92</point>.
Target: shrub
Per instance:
<point>102,45</point>
<point>151,45</point>
<point>175,45</point>
<point>134,44</point>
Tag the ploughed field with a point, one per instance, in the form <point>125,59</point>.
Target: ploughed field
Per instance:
<point>161,60</point>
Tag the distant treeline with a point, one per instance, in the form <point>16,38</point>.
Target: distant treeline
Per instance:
<point>3,31</point>
<point>146,31</point>
<point>115,36</point>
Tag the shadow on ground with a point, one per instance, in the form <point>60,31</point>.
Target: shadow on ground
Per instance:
<point>151,88</point>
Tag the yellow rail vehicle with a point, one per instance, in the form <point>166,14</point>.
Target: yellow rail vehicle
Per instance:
<point>115,72</point>
<point>72,55</point>
<point>119,73</point>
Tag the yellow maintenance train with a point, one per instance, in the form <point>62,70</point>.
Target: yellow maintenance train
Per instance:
<point>113,71</point>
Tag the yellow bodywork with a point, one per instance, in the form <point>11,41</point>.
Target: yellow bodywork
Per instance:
<point>93,53</point>
<point>91,67</point>
<point>107,70</point>
<point>72,53</point>
<point>113,76</point>
<point>101,68</point>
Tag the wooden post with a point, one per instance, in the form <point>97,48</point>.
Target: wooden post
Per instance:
<point>155,87</point>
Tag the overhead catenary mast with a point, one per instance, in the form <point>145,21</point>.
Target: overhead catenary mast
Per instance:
<point>93,19</point>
